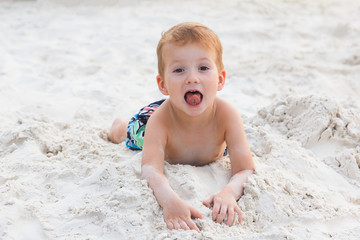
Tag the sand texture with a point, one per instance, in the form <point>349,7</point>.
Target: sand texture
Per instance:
<point>68,68</point>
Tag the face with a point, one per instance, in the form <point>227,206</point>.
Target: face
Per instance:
<point>191,77</point>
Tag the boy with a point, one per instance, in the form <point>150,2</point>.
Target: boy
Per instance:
<point>192,126</point>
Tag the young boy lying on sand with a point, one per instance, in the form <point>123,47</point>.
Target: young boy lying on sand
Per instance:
<point>193,126</point>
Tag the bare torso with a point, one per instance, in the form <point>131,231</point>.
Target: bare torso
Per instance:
<point>195,145</point>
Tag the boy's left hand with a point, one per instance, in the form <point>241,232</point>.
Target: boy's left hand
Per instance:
<point>224,204</point>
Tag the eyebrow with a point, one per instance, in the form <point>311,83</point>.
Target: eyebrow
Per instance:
<point>200,59</point>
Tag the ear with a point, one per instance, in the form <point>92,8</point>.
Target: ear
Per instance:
<point>161,85</point>
<point>221,82</point>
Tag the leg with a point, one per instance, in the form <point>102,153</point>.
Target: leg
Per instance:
<point>117,132</point>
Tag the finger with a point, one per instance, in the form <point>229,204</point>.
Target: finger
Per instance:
<point>177,225</point>
<point>184,226</point>
<point>192,225</point>
<point>222,214</point>
<point>239,213</point>
<point>208,202</point>
<point>170,225</point>
<point>215,211</point>
<point>230,216</point>
<point>195,213</point>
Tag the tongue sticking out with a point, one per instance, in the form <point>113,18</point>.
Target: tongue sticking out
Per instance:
<point>193,98</point>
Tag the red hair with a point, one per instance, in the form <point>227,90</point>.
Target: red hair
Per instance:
<point>186,32</point>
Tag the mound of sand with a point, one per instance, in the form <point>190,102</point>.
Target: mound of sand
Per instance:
<point>69,68</point>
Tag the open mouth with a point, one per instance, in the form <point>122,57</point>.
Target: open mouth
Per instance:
<point>193,97</point>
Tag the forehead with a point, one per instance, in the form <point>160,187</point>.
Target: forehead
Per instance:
<point>179,52</point>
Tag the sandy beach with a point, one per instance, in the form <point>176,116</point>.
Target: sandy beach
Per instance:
<point>68,68</point>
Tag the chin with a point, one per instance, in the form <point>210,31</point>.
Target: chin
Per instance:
<point>195,111</point>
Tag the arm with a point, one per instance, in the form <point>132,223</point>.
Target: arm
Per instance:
<point>177,213</point>
<point>242,166</point>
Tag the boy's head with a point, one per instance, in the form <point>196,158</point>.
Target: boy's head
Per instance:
<point>190,32</point>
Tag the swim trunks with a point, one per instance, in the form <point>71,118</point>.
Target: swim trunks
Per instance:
<point>137,124</point>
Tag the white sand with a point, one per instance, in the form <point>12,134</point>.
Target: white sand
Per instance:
<point>66,71</point>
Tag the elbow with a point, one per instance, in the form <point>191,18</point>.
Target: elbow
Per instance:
<point>147,171</point>
<point>151,174</point>
<point>252,171</point>
<point>251,165</point>
<point>249,171</point>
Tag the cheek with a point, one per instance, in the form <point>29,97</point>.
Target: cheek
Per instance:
<point>174,81</point>
<point>213,81</point>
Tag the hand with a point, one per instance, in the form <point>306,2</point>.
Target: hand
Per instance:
<point>224,204</point>
<point>178,215</point>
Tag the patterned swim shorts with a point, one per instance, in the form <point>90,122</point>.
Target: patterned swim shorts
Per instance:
<point>137,124</point>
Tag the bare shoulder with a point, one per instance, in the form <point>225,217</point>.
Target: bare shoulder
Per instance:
<point>160,117</point>
<point>235,137</point>
<point>157,127</point>
<point>226,111</point>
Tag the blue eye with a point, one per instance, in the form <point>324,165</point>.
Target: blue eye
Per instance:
<point>203,68</point>
<point>178,70</point>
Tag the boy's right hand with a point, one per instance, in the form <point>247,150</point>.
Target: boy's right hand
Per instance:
<point>177,215</point>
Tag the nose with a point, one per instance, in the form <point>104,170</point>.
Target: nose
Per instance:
<point>192,77</point>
